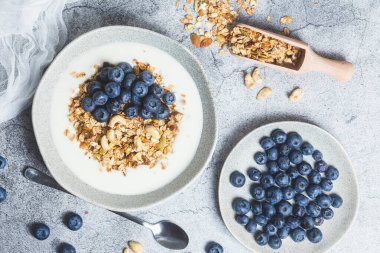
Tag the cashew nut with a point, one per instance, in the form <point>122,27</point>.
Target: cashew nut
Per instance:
<point>136,247</point>
<point>111,136</point>
<point>105,145</point>
<point>117,119</point>
<point>153,132</point>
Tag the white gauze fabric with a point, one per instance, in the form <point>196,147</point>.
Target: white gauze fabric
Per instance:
<point>31,32</point>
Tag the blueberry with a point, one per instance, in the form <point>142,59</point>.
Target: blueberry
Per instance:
<point>104,74</point>
<point>337,201</point>
<point>295,157</point>
<point>283,162</point>
<point>136,100</point>
<point>299,210</point>
<point>272,154</point>
<point>318,221</point>
<point>93,87</point>
<point>284,208</point>
<point>3,162</point>
<point>99,98</point>
<point>144,113</point>
<point>282,179</point>
<point>214,248</point>
<point>257,192</point>
<point>125,96</point>
<point>87,104</point>
<point>101,114</point>
<point>326,185</point>
<point>66,248</point>
<point>74,221</point>
<point>304,168</point>
<point>278,220</point>
<point>162,113</point>
<point>307,148</point>
<point>268,210</point>
<point>267,143</point>
<point>129,80</point>
<point>274,242</point>
<point>327,213</point>
<point>156,90</point>
<point>260,220</point>
<point>314,235</point>
<point>267,181</point>
<point>332,173</point>
<point>261,238</point>
<point>292,172</point>
<point>140,89</point>
<point>256,207</point>
<point>237,179</point>
<point>284,149</point>
<point>273,195</point>
<point>147,77</point>
<point>313,209</point>
<point>313,191</point>
<point>324,201</point>
<point>314,177</point>
<point>3,194</point>
<point>113,106</point>
<point>292,222</point>
<point>169,98</point>
<point>283,232</point>
<point>251,226</point>
<point>131,111</point>
<point>307,222</point>
<point>294,140</point>
<point>41,231</point>
<point>241,206</point>
<point>152,104</point>
<point>300,184</point>
<point>278,136</point>
<point>126,67</point>
<point>260,158</point>
<point>273,167</point>
<point>116,74</point>
<point>288,193</point>
<point>321,166</point>
<point>317,155</point>
<point>301,200</point>
<point>254,174</point>
<point>270,229</point>
<point>242,219</point>
<point>298,234</point>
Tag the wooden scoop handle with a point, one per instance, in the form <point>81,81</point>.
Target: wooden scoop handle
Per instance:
<point>340,70</point>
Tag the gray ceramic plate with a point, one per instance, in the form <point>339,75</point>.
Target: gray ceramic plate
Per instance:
<point>141,188</point>
<point>241,158</point>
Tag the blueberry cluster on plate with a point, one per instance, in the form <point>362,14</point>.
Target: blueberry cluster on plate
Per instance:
<point>118,88</point>
<point>291,197</point>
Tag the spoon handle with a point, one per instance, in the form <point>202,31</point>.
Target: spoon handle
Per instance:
<point>39,177</point>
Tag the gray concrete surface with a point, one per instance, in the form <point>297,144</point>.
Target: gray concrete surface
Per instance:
<point>345,29</point>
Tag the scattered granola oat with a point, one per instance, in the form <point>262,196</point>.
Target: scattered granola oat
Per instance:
<point>264,93</point>
<point>195,40</point>
<point>77,75</point>
<point>206,42</point>
<point>248,43</point>
<point>248,5</point>
<point>286,20</point>
<point>177,4</point>
<point>286,31</point>
<point>136,247</point>
<point>296,94</point>
<point>268,19</point>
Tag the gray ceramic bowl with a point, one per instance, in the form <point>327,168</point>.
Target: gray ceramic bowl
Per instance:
<point>43,123</point>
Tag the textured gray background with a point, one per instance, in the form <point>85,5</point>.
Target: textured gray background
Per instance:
<point>340,29</point>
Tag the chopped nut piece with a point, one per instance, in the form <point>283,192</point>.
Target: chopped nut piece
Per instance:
<point>249,83</point>
<point>189,1</point>
<point>296,94</point>
<point>189,17</point>
<point>195,40</point>
<point>136,247</point>
<point>189,27</point>
<point>251,80</point>
<point>206,42</point>
<point>185,8</point>
<point>264,93</point>
<point>248,5</point>
<point>286,20</point>
<point>286,31</point>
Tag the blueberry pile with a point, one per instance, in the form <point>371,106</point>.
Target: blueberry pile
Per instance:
<point>291,197</point>
<point>3,165</point>
<point>118,89</point>
<point>73,222</point>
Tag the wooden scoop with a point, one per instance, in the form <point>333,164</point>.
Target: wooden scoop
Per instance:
<point>307,60</point>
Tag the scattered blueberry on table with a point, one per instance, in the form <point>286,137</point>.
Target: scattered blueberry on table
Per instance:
<point>290,196</point>
<point>117,89</point>
<point>214,247</point>
<point>66,248</point>
<point>41,231</point>
<point>3,194</point>
<point>3,163</point>
<point>74,221</point>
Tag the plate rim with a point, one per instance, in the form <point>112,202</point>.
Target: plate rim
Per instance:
<point>357,203</point>
<point>210,112</point>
